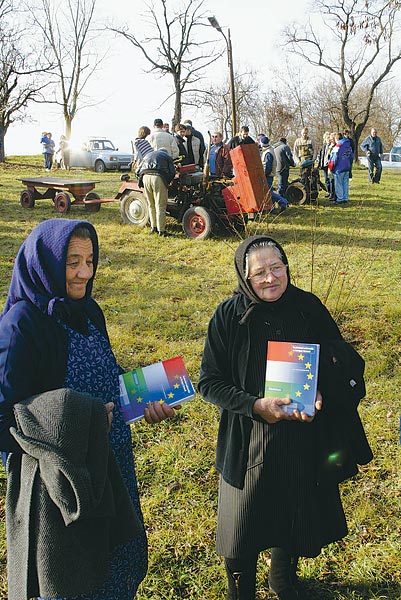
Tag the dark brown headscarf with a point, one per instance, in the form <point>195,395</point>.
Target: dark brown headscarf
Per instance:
<point>244,286</point>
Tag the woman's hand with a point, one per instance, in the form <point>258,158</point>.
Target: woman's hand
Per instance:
<point>109,413</point>
<point>301,416</point>
<point>270,409</point>
<point>156,412</point>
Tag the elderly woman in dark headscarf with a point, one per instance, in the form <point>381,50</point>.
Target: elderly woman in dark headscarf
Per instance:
<point>53,335</point>
<point>270,495</point>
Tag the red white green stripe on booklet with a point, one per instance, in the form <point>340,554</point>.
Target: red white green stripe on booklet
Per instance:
<point>292,372</point>
<point>165,381</point>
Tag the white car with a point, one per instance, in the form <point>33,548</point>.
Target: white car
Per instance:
<point>100,155</point>
<point>389,161</point>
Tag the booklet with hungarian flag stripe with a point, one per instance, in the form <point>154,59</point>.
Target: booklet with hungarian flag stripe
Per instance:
<point>165,381</point>
<point>292,372</point>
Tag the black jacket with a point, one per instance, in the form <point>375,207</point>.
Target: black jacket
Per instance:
<point>341,437</point>
<point>223,376</point>
<point>160,163</point>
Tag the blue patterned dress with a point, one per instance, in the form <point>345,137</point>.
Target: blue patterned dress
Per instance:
<point>92,368</point>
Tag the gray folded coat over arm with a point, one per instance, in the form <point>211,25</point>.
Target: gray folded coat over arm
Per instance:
<point>66,504</point>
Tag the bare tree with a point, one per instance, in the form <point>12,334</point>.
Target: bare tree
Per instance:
<point>21,71</point>
<point>216,99</point>
<point>69,39</point>
<point>361,47</point>
<point>174,46</point>
<point>272,115</point>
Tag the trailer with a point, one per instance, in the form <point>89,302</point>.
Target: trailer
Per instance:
<point>60,191</point>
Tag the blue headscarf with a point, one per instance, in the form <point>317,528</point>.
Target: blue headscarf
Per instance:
<point>39,270</point>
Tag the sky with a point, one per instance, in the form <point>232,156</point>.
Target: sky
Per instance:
<point>127,97</point>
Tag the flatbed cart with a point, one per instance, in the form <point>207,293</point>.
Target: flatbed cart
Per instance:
<point>59,191</point>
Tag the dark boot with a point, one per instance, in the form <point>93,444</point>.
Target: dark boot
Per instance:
<point>241,576</point>
<point>282,573</point>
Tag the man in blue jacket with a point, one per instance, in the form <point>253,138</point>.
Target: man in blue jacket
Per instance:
<point>373,147</point>
<point>156,172</point>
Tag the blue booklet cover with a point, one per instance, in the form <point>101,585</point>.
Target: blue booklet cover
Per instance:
<point>292,372</point>
<point>166,381</point>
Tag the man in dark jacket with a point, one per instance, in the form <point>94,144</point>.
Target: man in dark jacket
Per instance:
<point>242,138</point>
<point>155,175</point>
<point>373,147</point>
<point>285,160</point>
<point>201,139</point>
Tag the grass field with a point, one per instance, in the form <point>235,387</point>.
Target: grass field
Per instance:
<point>158,296</point>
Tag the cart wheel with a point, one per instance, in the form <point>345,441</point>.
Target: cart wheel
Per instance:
<point>94,208</point>
<point>134,209</point>
<point>62,202</point>
<point>296,193</point>
<point>198,222</point>
<point>100,167</point>
<point>27,199</point>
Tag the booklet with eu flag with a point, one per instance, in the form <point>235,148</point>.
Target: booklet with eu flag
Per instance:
<point>292,372</point>
<point>165,381</point>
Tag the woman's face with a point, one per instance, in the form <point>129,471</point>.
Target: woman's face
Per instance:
<point>79,267</point>
<point>267,274</point>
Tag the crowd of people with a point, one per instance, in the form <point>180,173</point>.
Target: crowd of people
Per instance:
<point>334,158</point>
<point>151,149</point>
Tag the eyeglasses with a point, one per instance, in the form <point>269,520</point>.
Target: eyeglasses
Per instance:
<point>276,271</point>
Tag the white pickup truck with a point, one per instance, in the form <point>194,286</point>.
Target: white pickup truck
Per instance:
<point>389,161</point>
<point>100,155</point>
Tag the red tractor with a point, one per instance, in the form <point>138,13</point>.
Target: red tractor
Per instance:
<point>201,203</point>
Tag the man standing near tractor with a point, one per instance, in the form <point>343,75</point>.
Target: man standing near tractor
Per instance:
<point>156,172</point>
<point>305,147</point>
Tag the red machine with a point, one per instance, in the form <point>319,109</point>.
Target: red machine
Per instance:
<point>249,192</point>
<point>201,203</point>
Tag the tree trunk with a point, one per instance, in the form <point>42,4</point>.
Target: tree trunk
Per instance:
<point>177,103</point>
<point>2,150</point>
<point>68,126</point>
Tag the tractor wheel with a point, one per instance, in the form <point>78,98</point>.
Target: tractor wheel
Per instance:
<point>134,209</point>
<point>27,199</point>
<point>93,208</point>
<point>62,202</point>
<point>296,193</point>
<point>100,167</point>
<point>197,222</point>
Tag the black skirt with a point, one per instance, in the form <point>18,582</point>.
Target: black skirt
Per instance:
<point>280,505</point>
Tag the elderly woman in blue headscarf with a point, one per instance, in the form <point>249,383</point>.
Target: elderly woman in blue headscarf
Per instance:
<point>276,489</point>
<point>53,335</point>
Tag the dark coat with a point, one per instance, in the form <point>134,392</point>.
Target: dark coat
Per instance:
<point>239,141</point>
<point>224,369</point>
<point>33,359</point>
<point>67,506</point>
<point>284,157</point>
<point>160,163</point>
<point>224,165</point>
<point>342,440</point>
